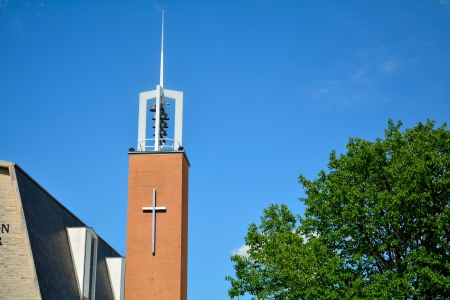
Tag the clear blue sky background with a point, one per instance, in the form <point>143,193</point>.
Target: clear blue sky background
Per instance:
<point>270,87</point>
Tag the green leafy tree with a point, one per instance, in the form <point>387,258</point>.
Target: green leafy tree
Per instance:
<point>376,226</point>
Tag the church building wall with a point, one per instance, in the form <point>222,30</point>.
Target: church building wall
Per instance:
<point>17,274</point>
<point>36,259</point>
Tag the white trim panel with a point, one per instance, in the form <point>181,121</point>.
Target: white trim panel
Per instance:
<point>116,271</point>
<point>77,241</point>
<point>80,240</point>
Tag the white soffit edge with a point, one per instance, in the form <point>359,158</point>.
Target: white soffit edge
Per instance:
<point>116,271</point>
<point>77,240</point>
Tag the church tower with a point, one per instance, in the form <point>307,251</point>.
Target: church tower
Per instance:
<point>157,216</point>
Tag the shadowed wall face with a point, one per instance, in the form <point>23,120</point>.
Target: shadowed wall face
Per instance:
<point>162,275</point>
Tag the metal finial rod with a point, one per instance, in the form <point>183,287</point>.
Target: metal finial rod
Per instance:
<point>161,77</point>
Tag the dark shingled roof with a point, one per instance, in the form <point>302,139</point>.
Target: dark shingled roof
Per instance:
<point>46,221</point>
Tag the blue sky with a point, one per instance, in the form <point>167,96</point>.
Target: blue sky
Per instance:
<point>270,88</point>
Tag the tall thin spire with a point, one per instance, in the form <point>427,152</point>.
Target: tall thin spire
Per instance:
<point>161,140</point>
<point>161,76</point>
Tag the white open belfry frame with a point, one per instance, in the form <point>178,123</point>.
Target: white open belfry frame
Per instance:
<point>144,144</point>
<point>160,94</point>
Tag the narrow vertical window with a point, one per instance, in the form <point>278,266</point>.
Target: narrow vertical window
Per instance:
<point>91,267</point>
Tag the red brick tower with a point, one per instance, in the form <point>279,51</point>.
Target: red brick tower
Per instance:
<point>161,274</point>
<point>157,217</point>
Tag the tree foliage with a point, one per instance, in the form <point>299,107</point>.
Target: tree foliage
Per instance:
<point>376,225</point>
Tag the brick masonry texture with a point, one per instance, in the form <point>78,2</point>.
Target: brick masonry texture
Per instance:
<point>35,259</point>
<point>162,276</point>
<point>17,277</point>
